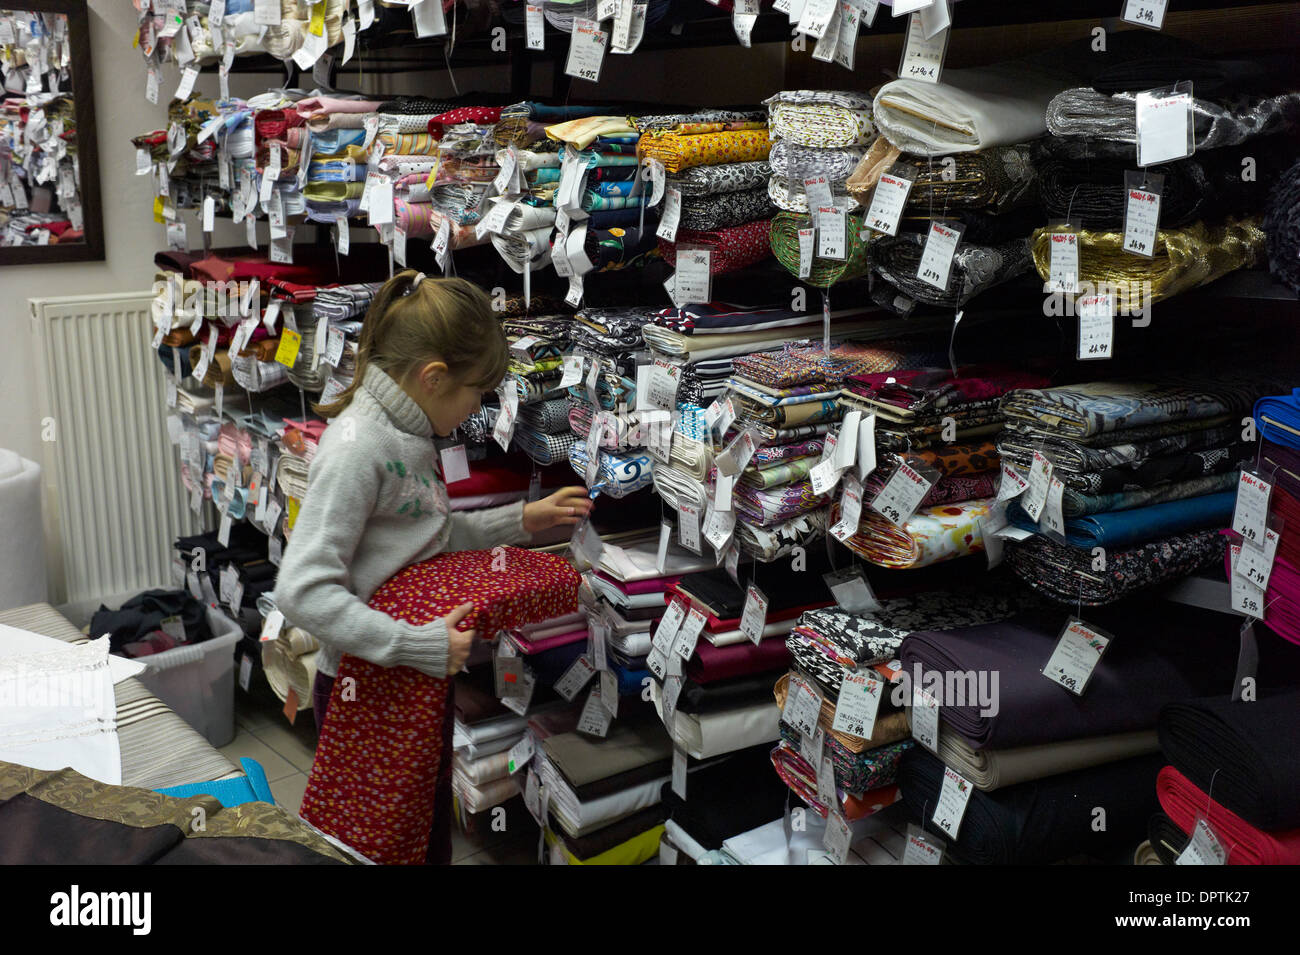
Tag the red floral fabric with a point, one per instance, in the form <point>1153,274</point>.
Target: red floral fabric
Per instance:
<point>374,778</point>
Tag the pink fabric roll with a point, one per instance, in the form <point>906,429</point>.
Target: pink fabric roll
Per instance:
<point>1183,801</point>
<point>548,643</point>
<point>314,106</point>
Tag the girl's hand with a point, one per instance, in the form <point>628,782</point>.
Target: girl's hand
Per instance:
<point>566,506</point>
<point>459,641</point>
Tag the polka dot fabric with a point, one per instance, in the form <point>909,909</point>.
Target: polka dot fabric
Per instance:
<point>374,778</point>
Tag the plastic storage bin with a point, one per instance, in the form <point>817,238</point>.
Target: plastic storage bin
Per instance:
<point>198,681</point>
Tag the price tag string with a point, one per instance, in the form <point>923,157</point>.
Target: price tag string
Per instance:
<point>1209,801</point>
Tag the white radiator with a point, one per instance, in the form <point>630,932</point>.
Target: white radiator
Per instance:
<point>114,499</point>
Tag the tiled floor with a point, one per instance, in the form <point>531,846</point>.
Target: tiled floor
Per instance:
<point>263,733</point>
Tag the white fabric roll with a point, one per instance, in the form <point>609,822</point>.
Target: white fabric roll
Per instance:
<point>22,538</point>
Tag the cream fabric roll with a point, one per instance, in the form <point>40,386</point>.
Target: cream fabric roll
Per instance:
<point>22,537</point>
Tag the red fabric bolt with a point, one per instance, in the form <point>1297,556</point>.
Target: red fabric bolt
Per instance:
<point>373,781</point>
<point>478,115</point>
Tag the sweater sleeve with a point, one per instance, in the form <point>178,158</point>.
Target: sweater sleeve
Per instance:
<point>485,529</point>
<point>312,588</point>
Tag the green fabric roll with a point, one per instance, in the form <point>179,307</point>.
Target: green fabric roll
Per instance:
<point>824,272</point>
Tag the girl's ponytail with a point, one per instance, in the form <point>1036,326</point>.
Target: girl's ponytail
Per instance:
<point>408,323</point>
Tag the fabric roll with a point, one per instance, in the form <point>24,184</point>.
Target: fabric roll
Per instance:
<point>764,507</point>
<point>929,536</point>
<point>631,753</point>
<point>1085,113</point>
<point>792,161</point>
<point>801,777</point>
<point>619,474</point>
<point>997,180</point>
<point>679,151</point>
<point>1068,575</point>
<point>968,110</point>
<point>1039,822</point>
<point>1159,654</point>
<point>218,372</point>
<point>821,118</point>
<point>1076,503</point>
<point>706,735</point>
<point>789,195</point>
<point>1184,259</point>
<point>1165,839</point>
<point>1279,419</point>
<point>824,272</point>
<point>1248,755</point>
<point>1281,230</point>
<point>727,798</point>
<point>990,769</point>
<point>724,178</point>
<point>891,727</point>
<point>975,269</point>
<point>857,772</point>
<point>1184,802</point>
<point>735,248</point>
<point>1130,528</point>
<point>725,210</point>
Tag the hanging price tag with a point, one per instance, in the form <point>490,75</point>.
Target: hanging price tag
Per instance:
<point>1063,274</point>
<point>586,50</point>
<point>719,525</point>
<point>851,591</point>
<point>1165,125</point>
<point>936,259</point>
<point>818,191</point>
<point>953,797</point>
<point>504,428</point>
<point>1096,326</point>
<point>595,718</point>
<point>925,719</point>
<point>901,495</point>
<point>669,623</point>
<point>816,17</point>
<point>754,616</point>
<point>1145,13</point>
<point>455,466</point>
<point>921,849</point>
<point>535,27</point>
<point>887,203</point>
<point>1256,563</point>
<point>1250,516</point>
<point>1040,482</point>
<point>186,86</point>
<point>922,57</point>
<point>1204,848</point>
<point>807,240</point>
<point>1077,653</point>
<point>1247,597</point>
<point>803,705</point>
<point>688,636</point>
<point>1142,215</point>
<point>692,282</point>
<point>830,234</point>
<point>850,509</point>
<point>838,837</point>
<point>577,676</point>
<point>688,527</point>
<point>520,754</point>
<point>671,214</point>
<point>858,703</point>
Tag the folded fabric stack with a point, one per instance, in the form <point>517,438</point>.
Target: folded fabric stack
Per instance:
<point>602,796</point>
<point>717,158</point>
<point>1234,764</point>
<point>725,702</point>
<point>1142,470</point>
<point>1041,758</point>
<point>1277,420</point>
<point>335,146</point>
<point>605,400</point>
<point>482,737</point>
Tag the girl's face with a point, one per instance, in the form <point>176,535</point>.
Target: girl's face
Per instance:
<point>445,400</point>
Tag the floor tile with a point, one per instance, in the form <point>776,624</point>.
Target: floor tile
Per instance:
<point>246,744</point>
<point>288,744</point>
<point>288,791</point>
<point>253,714</point>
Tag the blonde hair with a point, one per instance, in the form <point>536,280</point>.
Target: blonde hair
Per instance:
<point>414,320</point>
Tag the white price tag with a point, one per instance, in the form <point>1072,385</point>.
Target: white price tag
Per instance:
<point>851,591</point>
<point>688,527</point>
<point>720,525</point>
<point>830,234</point>
<point>1141,219</point>
<point>1247,597</point>
<point>1164,127</point>
<point>689,634</point>
<point>669,624</point>
<point>1040,482</point>
<point>1250,516</point>
<point>1256,563</point>
<point>901,495</point>
<point>925,719</point>
<point>1204,848</point>
<point>535,26</point>
<point>186,85</point>
<point>679,772</point>
<point>922,56</point>
<point>664,380</point>
<point>818,191</point>
<point>519,703</point>
<point>921,849</point>
<point>1145,13</point>
<point>803,705</point>
<point>816,17</point>
<point>577,676</point>
<point>504,428</point>
<point>1063,274</point>
<point>936,260</point>
<point>859,701</point>
<point>595,718</point>
<point>838,837</point>
<point>1096,326</point>
<point>1053,519</point>
<point>692,282</point>
<point>455,466</point>
<point>381,202</point>
<point>520,754</point>
<point>953,797</point>
<point>850,509</point>
<point>671,214</point>
<point>887,203</point>
<point>754,616</point>
<point>807,245</point>
<point>586,50</point>
<point>1077,654</point>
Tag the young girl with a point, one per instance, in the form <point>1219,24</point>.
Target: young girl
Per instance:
<point>429,350</point>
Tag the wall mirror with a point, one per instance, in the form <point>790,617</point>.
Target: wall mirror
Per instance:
<point>49,160</point>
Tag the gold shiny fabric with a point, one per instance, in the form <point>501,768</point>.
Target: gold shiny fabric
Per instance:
<point>1184,259</point>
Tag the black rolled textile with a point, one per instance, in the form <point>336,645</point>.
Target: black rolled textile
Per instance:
<point>725,694</point>
<point>728,797</point>
<point>1282,229</point>
<point>1245,754</point>
<point>975,268</point>
<point>1043,821</point>
<point>1166,838</point>
<point>1161,653</point>
<point>606,838</point>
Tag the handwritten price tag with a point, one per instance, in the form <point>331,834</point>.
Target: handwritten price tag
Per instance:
<point>1077,653</point>
<point>898,501</point>
<point>936,259</point>
<point>1250,516</point>
<point>587,47</point>
<point>1096,326</point>
<point>953,798</point>
<point>887,203</point>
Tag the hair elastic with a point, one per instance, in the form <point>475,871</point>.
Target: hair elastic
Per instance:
<point>415,282</point>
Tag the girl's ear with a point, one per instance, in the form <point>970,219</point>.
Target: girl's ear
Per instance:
<point>432,375</point>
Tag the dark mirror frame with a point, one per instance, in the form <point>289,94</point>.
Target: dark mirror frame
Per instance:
<point>83,102</point>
